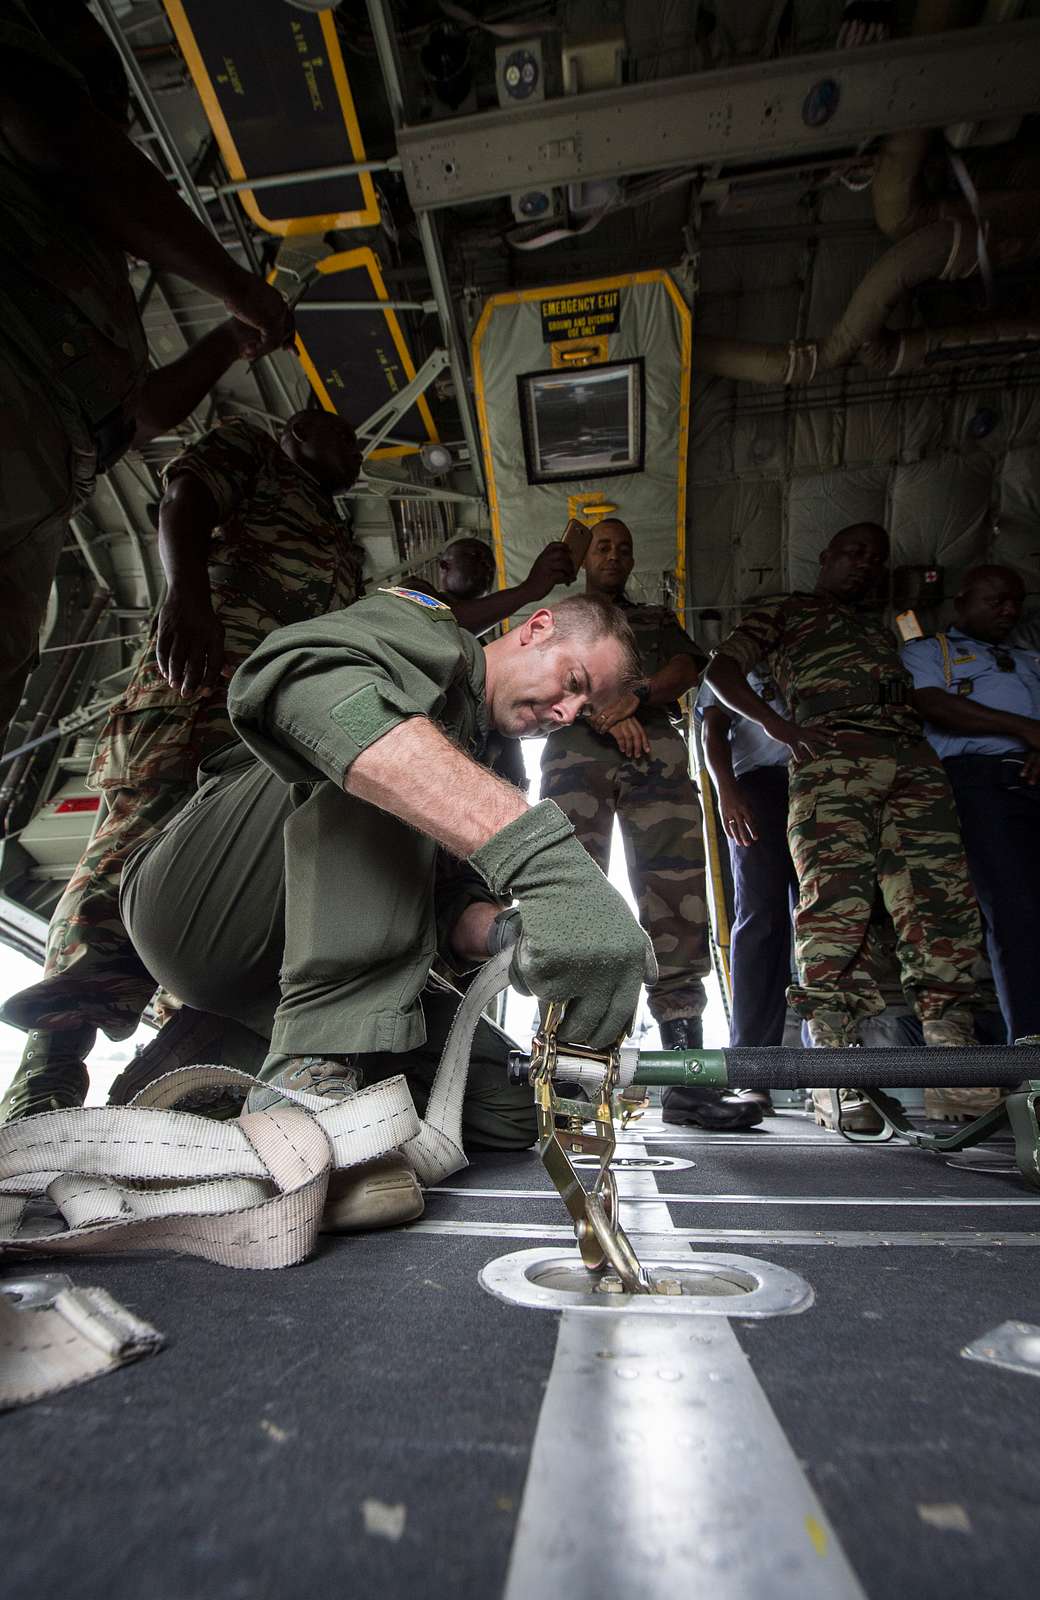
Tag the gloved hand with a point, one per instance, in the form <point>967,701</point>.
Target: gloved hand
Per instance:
<point>580,943</point>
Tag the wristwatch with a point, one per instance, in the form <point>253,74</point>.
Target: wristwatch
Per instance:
<point>642,691</point>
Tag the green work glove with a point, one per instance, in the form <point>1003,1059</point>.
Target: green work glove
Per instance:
<point>580,945</point>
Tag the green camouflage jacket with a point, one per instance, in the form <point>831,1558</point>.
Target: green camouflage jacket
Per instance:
<point>814,645</point>
<point>279,554</point>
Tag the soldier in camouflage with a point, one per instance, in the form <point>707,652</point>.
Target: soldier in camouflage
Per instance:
<point>75,387</point>
<point>631,761</point>
<point>250,540</point>
<point>870,808</point>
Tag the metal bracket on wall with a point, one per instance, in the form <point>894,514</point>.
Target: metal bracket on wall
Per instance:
<point>764,112</point>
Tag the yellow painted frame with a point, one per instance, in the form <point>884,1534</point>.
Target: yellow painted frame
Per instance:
<point>526,296</point>
<point>343,261</point>
<point>284,226</point>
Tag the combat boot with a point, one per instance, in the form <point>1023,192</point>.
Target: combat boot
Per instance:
<point>179,1043</point>
<point>52,1074</point>
<point>857,1113</point>
<point>955,1028</point>
<point>375,1194</point>
<point>714,1109</point>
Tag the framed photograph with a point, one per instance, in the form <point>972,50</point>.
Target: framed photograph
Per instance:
<point>586,423</point>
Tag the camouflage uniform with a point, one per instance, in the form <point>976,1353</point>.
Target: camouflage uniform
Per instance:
<point>874,811</point>
<point>73,357</point>
<point>279,554</point>
<point>656,803</point>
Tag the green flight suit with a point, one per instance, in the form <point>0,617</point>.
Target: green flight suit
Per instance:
<point>301,911</point>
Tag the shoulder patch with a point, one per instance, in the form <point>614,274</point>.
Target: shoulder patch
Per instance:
<point>419,599</point>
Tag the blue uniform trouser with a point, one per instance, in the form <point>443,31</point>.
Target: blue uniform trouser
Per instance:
<point>1000,822</point>
<point>764,893</point>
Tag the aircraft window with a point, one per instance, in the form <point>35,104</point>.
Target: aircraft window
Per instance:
<point>587,424</point>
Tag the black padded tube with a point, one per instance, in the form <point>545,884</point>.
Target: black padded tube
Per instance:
<point>781,1068</point>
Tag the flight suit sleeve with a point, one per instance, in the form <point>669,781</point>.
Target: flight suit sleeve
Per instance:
<point>922,658</point>
<point>316,694</point>
<point>756,638</point>
<point>227,460</point>
<point>458,885</point>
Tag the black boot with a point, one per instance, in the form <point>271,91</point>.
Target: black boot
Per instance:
<point>189,1037</point>
<point>705,1107</point>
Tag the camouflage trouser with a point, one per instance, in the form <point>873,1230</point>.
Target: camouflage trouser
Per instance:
<point>876,816</point>
<point>92,974</point>
<point>659,811</point>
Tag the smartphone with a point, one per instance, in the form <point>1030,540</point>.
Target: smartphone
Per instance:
<point>908,625</point>
<point>577,537</point>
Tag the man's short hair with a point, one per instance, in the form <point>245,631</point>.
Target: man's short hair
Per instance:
<point>984,572</point>
<point>468,544</point>
<point>589,618</point>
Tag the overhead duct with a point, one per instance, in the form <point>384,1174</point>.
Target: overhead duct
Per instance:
<point>942,251</point>
<point>934,241</point>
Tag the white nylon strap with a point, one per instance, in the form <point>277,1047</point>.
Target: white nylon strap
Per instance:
<point>243,1193</point>
<point>436,1152</point>
<point>78,1335</point>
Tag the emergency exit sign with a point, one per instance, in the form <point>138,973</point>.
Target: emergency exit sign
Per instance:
<point>580,316</point>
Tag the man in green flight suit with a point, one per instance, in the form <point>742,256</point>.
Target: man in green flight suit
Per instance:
<point>306,894</point>
<point>870,808</point>
<point>250,540</point>
<point>631,761</point>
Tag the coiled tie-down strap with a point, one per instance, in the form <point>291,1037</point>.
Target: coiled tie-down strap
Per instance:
<point>244,1193</point>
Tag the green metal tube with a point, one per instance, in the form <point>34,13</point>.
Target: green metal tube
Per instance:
<point>781,1067</point>
<point>686,1067</point>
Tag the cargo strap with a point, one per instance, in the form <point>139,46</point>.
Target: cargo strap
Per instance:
<point>53,1336</point>
<point>244,1193</point>
<point>880,692</point>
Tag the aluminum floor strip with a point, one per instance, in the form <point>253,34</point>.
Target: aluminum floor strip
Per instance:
<point>668,1199</point>
<point>674,1436</point>
<point>966,1238</point>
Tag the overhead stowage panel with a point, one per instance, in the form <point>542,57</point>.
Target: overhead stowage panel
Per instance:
<point>583,396</point>
<point>274,87</point>
<point>357,360</point>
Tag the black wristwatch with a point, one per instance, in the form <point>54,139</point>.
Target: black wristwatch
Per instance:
<point>642,691</point>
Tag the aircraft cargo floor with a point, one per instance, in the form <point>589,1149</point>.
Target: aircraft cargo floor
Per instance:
<point>372,1422</point>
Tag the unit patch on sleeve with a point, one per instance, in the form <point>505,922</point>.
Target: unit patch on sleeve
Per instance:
<point>419,599</point>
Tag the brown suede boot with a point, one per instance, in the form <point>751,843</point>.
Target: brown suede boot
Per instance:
<point>955,1029</point>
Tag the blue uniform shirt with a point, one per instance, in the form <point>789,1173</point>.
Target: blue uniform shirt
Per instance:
<point>750,745</point>
<point>974,671</point>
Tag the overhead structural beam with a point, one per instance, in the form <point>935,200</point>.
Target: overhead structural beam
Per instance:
<point>375,428</point>
<point>802,105</point>
<point>390,66</point>
<point>146,100</point>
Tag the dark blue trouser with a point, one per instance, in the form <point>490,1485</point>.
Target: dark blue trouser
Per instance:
<point>765,890</point>
<point>1000,822</point>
